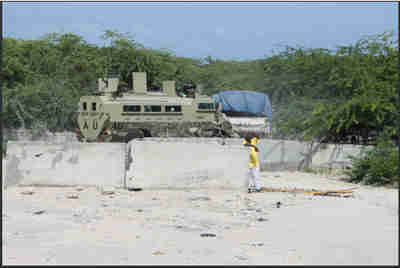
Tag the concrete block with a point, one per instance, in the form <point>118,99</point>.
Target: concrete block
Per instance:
<point>43,163</point>
<point>337,156</point>
<point>287,155</point>
<point>280,154</point>
<point>187,165</point>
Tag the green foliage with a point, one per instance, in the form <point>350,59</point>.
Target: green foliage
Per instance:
<point>331,94</point>
<point>218,75</point>
<point>379,166</point>
<point>309,170</point>
<point>44,79</point>
<point>316,93</point>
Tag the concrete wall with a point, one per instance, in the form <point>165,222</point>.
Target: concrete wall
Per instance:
<point>154,164</point>
<point>173,163</point>
<point>47,136</point>
<point>45,163</point>
<point>160,162</point>
<point>337,156</point>
<point>280,154</point>
<point>284,154</point>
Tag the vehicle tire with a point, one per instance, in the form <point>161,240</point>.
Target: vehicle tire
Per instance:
<point>134,134</point>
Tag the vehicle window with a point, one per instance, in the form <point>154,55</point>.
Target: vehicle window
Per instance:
<point>84,106</point>
<point>131,108</point>
<point>206,106</point>
<point>173,108</point>
<point>94,106</point>
<point>152,108</point>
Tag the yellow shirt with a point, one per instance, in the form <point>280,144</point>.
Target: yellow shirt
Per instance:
<point>253,154</point>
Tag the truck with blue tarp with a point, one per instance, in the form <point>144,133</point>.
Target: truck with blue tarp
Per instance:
<point>248,111</point>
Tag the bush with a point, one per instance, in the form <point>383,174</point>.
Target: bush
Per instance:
<point>378,166</point>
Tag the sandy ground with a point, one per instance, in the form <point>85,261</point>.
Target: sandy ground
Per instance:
<point>166,226</point>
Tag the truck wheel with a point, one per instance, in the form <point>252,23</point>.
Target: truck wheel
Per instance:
<point>135,134</point>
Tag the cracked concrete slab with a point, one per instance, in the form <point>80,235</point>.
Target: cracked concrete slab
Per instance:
<point>71,163</point>
<point>163,164</point>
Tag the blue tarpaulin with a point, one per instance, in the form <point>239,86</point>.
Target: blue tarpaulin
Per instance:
<point>243,102</point>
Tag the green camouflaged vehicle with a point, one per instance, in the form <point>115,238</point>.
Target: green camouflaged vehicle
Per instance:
<point>121,115</point>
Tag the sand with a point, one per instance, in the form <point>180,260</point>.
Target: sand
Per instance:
<point>165,226</point>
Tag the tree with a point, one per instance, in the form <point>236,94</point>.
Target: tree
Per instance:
<point>350,92</point>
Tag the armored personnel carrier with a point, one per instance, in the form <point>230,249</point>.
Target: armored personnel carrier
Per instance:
<point>119,115</point>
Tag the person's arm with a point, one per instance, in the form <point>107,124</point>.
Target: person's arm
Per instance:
<point>255,148</point>
<point>251,145</point>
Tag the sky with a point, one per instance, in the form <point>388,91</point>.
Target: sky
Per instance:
<point>228,31</point>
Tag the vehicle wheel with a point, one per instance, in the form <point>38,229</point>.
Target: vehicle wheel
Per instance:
<point>217,132</point>
<point>207,133</point>
<point>134,134</point>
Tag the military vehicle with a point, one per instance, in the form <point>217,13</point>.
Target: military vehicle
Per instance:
<point>115,114</point>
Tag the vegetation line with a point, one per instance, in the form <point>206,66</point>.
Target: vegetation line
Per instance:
<point>346,95</point>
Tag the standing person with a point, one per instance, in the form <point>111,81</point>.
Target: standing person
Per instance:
<point>254,164</point>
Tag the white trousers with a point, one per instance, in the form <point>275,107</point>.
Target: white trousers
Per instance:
<point>254,178</point>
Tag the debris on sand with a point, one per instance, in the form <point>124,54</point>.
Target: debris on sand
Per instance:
<point>200,198</point>
<point>107,190</point>
<point>72,196</point>
<point>28,191</point>
<point>241,258</point>
<point>208,235</point>
<point>133,189</point>
<point>38,212</point>
<point>79,188</point>
<point>314,192</point>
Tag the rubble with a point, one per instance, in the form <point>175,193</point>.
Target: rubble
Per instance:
<point>208,235</point>
<point>72,196</point>
<point>38,212</point>
<point>107,190</point>
<point>200,198</point>
<point>79,188</point>
<point>28,191</point>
